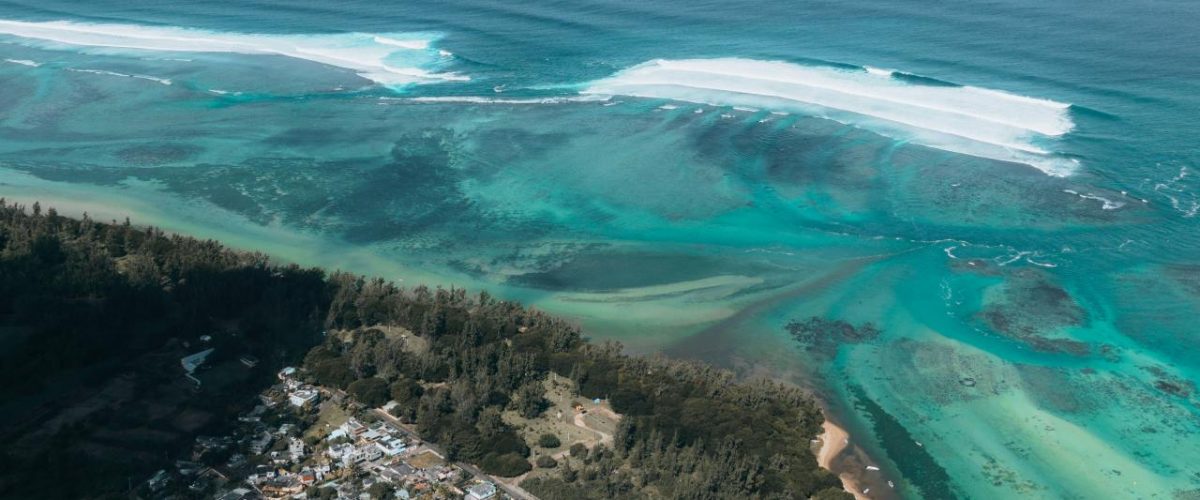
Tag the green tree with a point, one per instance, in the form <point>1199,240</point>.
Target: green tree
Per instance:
<point>530,400</point>
<point>372,391</point>
<point>505,465</point>
<point>380,490</point>
<point>833,494</point>
<point>579,450</point>
<point>549,441</point>
<point>405,390</point>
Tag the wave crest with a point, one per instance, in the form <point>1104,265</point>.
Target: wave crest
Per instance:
<point>392,59</point>
<point>963,119</point>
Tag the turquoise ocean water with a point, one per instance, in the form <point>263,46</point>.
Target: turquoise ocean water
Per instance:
<point>1008,189</point>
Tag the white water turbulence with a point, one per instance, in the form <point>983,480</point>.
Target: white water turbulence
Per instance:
<point>962,119</point>
<point>389,59</point>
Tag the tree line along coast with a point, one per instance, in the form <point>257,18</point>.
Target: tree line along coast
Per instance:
<point>97,318</point>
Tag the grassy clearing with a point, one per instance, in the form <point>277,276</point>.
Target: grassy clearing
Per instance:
<point>331,417</point>
<point>560,419</point>
<point>425,460</point>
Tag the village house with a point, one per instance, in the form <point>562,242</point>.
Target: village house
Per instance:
<point>481,491</point>
<point>260,443</point>
<point>281,487</point>
<point>354,428</point>
<point>249,361</point>
<point>303,397</point>
<point>192,362</point>
<point>341,453</point>
<point>397,473</point>
<point>391,446</point>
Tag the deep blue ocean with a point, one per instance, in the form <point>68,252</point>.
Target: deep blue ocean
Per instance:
<point>1007,189</point>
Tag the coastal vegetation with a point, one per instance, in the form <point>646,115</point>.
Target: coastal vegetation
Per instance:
<point>107,308</point>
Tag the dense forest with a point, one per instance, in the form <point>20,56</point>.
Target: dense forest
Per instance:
<point>89,309</point>
<point>94,319</point>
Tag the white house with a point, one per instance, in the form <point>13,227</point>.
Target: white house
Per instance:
<point>295,449</point>
<point>303,397</point>
<point>193,361</point>
<point>391,446</point>
<point>481,491</point>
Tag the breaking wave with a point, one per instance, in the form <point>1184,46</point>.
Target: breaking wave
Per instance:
<point>392,59</point>
<point>23,62</point>
<point>495,100</point>
<point>164,81</point>
<point>963,119</point>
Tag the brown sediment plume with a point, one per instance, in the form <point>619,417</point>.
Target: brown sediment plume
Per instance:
<point>716,343</point>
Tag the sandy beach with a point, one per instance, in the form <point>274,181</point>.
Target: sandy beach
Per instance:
<point>833,441</point>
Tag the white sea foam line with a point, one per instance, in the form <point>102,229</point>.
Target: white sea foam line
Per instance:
<point>879,71</point>
<point>407,44</point>
<point>164,81</point>
<point>366,54</point>
<point>1106,204</point>
<point>24,62</point>
<point>494,100</point>
<point>1002,126</point>
<point>879,86</point>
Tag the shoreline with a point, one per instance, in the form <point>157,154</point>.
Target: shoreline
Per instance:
<point>834,441</point>
<point>834,438</point>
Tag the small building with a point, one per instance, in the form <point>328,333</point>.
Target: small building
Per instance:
<point>282,487</point>
<point>481,491</point>
<point>366,453</point>
<point>397,473</point>
<point>295,449</point>
<point>287,373</point>
<point>260,444</point>
<point>302,397</point>
<point>249,361</point>
<point>372,435</point>
<point>341,453</point>
<point>159,481</point>
<point>193,361</point>
<point>391,446</point>
<point>354,428</point>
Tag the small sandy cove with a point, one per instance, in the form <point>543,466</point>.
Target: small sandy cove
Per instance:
<point>833,441</point>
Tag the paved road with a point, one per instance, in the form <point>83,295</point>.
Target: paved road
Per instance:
<point>513,490</point>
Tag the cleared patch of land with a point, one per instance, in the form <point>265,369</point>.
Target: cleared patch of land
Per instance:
<point>572,419</point>
<point>426,460</point>
<point>330,417</point>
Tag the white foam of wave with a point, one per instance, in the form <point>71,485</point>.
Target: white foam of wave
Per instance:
<point>878,71</point>
<point>1025,256</point>
<point>164,81</point>
<point>1185,199</point>
<point>1106,204</point>
<point>24,62</point>
<point>388,59</point>
<point>406,44</point>
<point>494,100</point>
<point>970,120</point>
